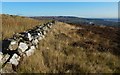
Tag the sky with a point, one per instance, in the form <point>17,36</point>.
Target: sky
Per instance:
<point>60,0</point>
<point>78,9</point>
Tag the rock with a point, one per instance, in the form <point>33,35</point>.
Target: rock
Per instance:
<point>23,46</point>
<point>35,41</point>
<point>44,32</point>
<point>40,38</point>
<point>5,59</point>
<point>13,45</point>
<point>29,36</point>
<point>14,60</point>
<point>30,51</point>
<point>45,28</point>
<point>1,56</point>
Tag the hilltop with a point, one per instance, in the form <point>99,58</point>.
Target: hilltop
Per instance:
<point>69,47</point>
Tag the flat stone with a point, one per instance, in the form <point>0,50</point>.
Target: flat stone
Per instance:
<point>15,59</point>
<point>23,46</point>
<point>1,56</point>
<point>13,45</point>
<point>30,51</point>
<point>35,41</point>
<point>5,58</point>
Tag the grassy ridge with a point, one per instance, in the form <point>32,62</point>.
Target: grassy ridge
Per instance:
<point>12,24</point>
<point>69,48</point>
<point>63,50</point>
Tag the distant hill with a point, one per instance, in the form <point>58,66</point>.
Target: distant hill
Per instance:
<point>112,19</point>
<point>77,20</point>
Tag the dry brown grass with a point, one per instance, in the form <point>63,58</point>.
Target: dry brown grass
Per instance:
<point>64,50</point>
<point>58,55</point>
<point>12,24</point>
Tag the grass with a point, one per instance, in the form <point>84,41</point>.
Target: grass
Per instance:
<point>67,50</point>
<point>12,24</point>
<point>59,55</point>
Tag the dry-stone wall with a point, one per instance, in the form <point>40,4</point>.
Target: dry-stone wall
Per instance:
<point>22,44</point>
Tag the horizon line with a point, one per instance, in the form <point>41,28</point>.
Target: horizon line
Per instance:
<point>61,15</point>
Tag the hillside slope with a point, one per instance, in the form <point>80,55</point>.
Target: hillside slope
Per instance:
<point>64,50</point>
<point>70,48</point>
<point>12,24</point>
